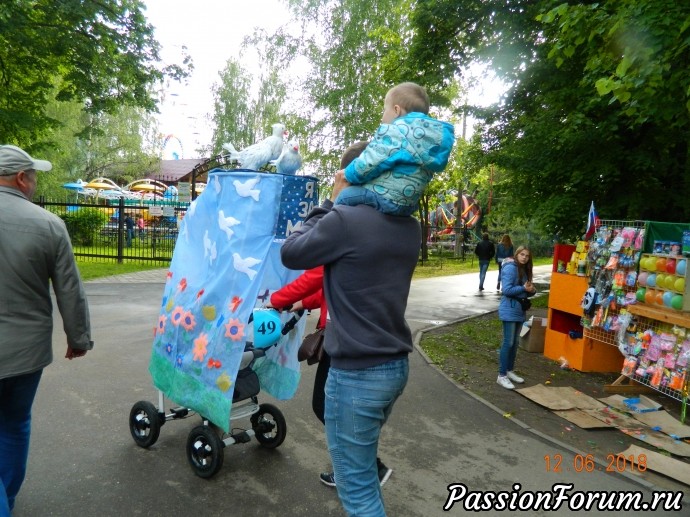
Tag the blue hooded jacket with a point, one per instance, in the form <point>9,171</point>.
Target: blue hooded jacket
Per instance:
<point>401,159</point>
<point>509,309</point>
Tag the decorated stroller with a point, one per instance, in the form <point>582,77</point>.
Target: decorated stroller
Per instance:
<point>214,350</point>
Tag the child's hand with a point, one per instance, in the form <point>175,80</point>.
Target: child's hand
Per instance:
<point>297,306</point>
<point>339,184</point>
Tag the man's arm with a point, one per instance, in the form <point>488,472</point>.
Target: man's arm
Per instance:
<point>71,299</point>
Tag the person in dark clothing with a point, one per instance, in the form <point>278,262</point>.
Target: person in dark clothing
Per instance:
<point>504,250</point>
<point>369,258</point>
<point>129,228</point>
<point>485,251</point>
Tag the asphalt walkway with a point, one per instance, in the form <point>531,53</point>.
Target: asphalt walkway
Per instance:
<point>84,462</point>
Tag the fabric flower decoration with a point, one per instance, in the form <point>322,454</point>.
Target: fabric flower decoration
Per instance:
<point>188,321</point>
<point>176,316</point>
<point>234,329</point>
<point>199,350</point>
<point>161,324</point>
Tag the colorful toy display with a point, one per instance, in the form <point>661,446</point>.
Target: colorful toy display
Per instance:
<point>611,262</point>
<point>657,357</point>
<point>663,282</point>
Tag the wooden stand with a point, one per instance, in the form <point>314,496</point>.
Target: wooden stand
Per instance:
<point>582,353</point>
<point>625,384</point>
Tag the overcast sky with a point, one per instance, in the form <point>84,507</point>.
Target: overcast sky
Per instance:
<point>212,31</point>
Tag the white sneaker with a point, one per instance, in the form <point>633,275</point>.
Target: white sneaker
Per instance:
<point>505,382</point>
<point>515,378</point>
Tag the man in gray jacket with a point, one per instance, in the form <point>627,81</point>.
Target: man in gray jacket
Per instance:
<point>35,250</point>
<point>369,258</point>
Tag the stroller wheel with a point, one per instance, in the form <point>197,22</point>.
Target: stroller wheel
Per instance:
<point>204,451</point>
<point>269,425</point>
<point>144,423</point>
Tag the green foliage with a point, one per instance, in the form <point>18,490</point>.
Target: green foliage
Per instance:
<point>84,224</point>
<point>597,109</point>
<point>101,54</point>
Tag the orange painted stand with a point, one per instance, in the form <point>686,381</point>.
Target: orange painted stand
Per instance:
<point>583,354</point>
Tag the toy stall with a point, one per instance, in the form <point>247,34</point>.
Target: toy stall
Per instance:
<point>619,302</point>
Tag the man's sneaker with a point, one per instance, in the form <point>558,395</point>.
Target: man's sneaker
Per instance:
<point>515,378</point>
<point>384,472</point>
<point>505,382</point>
<point>327,479</point>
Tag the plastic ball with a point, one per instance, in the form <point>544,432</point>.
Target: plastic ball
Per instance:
<point>677,302</point>
<point>642,279</point>
<point>650,296</point>
<point>670,281</point>
<point>680,267</point>
<point>661,280</point>
<point>659,298</point>
<point>667,297</point>
<point>679,285</point>
<point>661,264</point>
<point>645,263</point>
<point>670,266</point>
<point>267,330</point>
<point>651,280</point>
<point>639,294</point>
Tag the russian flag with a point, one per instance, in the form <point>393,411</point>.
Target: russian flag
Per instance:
<point>592,222</point>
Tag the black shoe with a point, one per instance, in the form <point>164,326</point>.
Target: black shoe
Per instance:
<point>481,288</point>
<point>384,472</point>
<point>328,479</point>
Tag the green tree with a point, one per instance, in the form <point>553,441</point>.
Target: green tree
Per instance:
<point>232,117</point>
<point>597,108</point>
<point>101,54</point>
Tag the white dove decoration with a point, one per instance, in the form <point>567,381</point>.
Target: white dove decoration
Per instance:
<point>247,189</point>
<point>259,154</point>
<point>225,223</point>
<point>216,184</point>
<point>209,248</point>
<point>289,160</point>
<point>244,265</point>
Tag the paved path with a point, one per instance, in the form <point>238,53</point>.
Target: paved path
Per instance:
<point>84,462</point>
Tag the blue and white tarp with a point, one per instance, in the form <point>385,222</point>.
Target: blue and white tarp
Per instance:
<point>227,262</point>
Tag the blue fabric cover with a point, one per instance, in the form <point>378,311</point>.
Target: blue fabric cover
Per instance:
<point>227,262</point>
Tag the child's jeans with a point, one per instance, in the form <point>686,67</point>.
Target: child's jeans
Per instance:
<point>358,195</point>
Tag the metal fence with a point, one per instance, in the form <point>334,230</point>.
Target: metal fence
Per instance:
<point>99,232</point>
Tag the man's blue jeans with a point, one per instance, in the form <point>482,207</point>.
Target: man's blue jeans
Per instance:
<point>358,403</point>
<point>16,398</point>
<point>483,266</point>
<point>509,347</point>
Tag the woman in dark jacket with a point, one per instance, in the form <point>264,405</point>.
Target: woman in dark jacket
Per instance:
<point>517,283</point>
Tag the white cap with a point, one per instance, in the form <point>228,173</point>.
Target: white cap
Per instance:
<point>13,160</point>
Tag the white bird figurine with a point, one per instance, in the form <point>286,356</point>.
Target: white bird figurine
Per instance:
<point>289,160</point>
<point>247,189</point>
<point>243,265</point>
<point>259,154</point>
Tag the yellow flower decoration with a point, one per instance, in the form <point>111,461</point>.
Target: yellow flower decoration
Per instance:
<point>223,382</point>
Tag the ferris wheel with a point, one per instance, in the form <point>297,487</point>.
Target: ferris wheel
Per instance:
<point>172,148</point>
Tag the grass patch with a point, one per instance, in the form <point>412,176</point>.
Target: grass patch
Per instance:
<point>446,265</point>
<point>91,270</point>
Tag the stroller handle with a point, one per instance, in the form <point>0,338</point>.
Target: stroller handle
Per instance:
<point>290,324</point>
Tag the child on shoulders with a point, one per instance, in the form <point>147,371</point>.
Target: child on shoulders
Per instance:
<point>407,149</point>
